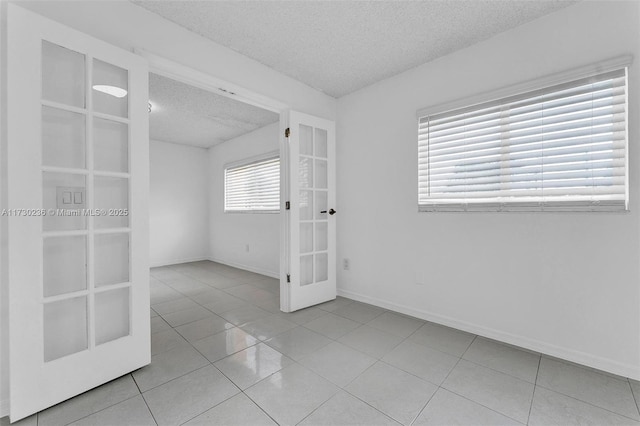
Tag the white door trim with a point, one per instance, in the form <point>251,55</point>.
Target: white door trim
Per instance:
<point>184,74</point>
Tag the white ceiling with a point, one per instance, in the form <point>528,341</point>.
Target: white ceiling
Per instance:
<point>342,46</point>
<point>187,115</point>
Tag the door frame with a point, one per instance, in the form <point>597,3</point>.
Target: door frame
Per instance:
<point>185,74</point>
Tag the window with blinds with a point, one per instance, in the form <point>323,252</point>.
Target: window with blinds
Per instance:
<point>253,187</point>
<point>562,147</point>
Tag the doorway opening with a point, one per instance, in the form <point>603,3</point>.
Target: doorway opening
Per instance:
<point>214,206</point>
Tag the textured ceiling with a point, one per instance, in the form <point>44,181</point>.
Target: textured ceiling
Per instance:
<point>342,46</point>
<point>187,115</point>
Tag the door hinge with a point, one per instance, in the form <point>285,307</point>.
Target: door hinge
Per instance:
<point>287,205</point>
<point>288,278</point>
<point>287,132</point>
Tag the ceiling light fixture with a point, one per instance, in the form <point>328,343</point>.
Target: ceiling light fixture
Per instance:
<point>111,90</point>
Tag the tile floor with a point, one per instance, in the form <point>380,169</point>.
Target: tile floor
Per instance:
<point>223,354</point>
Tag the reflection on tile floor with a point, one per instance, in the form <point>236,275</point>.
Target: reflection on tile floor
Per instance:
<point>223,354</point>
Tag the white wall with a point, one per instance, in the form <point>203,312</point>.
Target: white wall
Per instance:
<point>232,232</point>
<point>178,203</point>
<point>565,284</point>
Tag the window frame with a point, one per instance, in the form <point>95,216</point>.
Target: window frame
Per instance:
<point>520,89</point>
<point>247,162</point>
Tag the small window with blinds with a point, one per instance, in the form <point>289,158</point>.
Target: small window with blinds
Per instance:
<point>562,147</point>
<point>253,186</point>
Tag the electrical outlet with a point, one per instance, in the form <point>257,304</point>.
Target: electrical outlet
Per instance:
<point>345,264</point>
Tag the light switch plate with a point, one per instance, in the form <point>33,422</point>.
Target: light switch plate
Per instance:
<point>70,197</point>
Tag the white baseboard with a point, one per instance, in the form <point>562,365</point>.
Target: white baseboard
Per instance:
<point>604,364</point>
<point>158,263</point>
<point>272,274</point>
<point>4,408</point>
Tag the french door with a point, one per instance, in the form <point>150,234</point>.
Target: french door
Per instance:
<point>78,212</point>
<point>311,223</point>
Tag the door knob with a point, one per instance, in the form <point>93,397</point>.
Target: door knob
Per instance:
<point>331,211</point>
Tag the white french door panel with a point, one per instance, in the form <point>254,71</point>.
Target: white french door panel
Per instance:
<point>78,262</point>
<point>312,214</point>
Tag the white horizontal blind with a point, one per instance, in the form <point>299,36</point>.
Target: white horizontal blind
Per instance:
<point>253,187</point>
<point>559,148</point>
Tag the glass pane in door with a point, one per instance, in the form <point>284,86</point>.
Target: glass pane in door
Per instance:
<point>110,146</point>
<point>322,233</point>
<point>320,148</point>
<point>111,196</point>
<point>111,259</point>
<point>63,75</point>
<point>306,237</point>
<point>305,177</point>
<point>63,138</point>
<point>64,265</point>
<point>322,267</point>
<point>112,315</point>
<point>65,328</point>
<point>321,174</point>
<point>306,205</point>
<point>306,270</point>
<point>306,140</point>
<point>110,86</point>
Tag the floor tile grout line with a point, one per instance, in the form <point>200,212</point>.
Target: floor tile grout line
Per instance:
<point>461,357</point>
<point>375,408</point>
<point>390,350</point>
<point>439,386</point>
<point>177,377</point>
<point>480,404</point>
<point>210,408</point>
<point>105,408</point>
<point>228,355</point>
<point>293,361</point>
<point>498,371</point>
<point>535,385</point>
<point>408,372</point>
<point>343,316</point>
<point>424,406</point>
<point>586,368</point>
<point>200,368</point>
<point>533,398</point>
<point>634,395</point>
<point>259,407</point>
<point>148,408</point>
<point>453,368</point>
<point>587,402</point>
<point>300,365</point>
<point>235,394</point>
<point>190,322</point>
<point>341,389</point>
